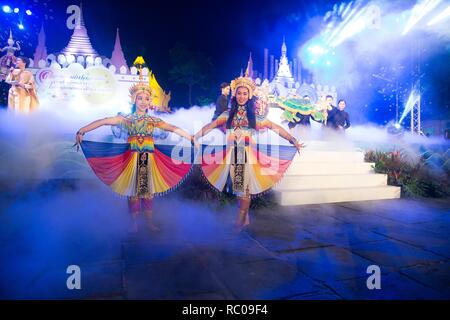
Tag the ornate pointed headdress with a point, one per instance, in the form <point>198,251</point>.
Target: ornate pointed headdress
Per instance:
<point>141,86</point>
<point>138,88</point>
<point>246,82</point>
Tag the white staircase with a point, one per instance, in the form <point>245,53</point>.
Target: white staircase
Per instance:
<point>322,174</point>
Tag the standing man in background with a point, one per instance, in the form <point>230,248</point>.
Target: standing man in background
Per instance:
<point>339,119</point>
<point>222,100</point>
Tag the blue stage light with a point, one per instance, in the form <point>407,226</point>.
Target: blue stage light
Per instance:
<point>16,10</point>
<point>21,26</point>
<point>317,50</point>
<point>317,54</point>
<point>395,129</point>
<point>6,9</point>
<point>28,12</point>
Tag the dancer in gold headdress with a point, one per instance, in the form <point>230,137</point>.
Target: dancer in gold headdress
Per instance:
<point>242,165</point>
<point>139,168</point>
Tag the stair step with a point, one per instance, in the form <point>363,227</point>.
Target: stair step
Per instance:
<point>328,146</point>
<point>306,182</point>
<point>322,168</point>
<point>329,156</point>
<point>332,195</point>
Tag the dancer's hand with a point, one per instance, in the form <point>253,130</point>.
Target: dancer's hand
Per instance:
<point>195,143</point>
<point>78,138</point>
<point>299,146</point>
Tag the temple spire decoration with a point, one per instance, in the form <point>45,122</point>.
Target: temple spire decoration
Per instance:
<point>284,48</point>
<point>80,21</point>
<point>284,74</point>
<point>41,49</point>
<point>117,57</point>
<point>79,43</point>
<point>249,70</point>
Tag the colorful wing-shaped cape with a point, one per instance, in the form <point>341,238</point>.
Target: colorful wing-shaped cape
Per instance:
<point>115,164</point>
<point>268,163</point>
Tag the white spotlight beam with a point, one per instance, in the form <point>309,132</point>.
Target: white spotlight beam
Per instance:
<point>412,101</point>
<point>444,14</point>
<point>351,28</point>
<point>341,26</point>
<point>418,12</point>
<point>347,18</point>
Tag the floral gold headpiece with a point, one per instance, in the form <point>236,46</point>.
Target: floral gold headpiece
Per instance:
<point>139,88</point>
<point>246,82</point>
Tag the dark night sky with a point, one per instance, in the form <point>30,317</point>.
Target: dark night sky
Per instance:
<point>226,31</point>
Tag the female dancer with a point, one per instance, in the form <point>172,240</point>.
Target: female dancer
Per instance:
<point>251,167</point>
<point>139,168</point>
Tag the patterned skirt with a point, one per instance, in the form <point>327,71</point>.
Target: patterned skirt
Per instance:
<point>7,61</point>
<point>138,174</point>
<point>245,170</point>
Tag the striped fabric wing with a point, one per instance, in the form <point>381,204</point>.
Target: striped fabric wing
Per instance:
<point>267,165</point>
<point>116,165</point>
<point>170,165</point>
<point>215,163</point>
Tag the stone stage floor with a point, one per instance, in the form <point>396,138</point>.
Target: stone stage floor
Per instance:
<point>304,252</point>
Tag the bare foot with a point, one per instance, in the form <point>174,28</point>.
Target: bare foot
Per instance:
<point>242,221</point>
<point>247,219</point>
<point>133,228</point>
<point>238,228</point>
<point>152,228</point>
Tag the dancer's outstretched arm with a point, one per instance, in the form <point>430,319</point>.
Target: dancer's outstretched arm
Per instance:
<point>169,127</point>
<point>284,134</point>
<point>210,126</point>
<point>96,124</point>
<point>205,130</point>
